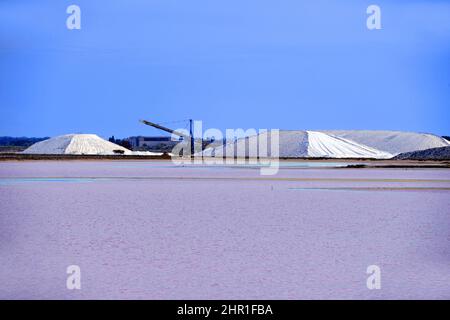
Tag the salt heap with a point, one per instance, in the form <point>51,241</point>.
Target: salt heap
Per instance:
<point>394,142</point>
<point>89,144</point>
<point>300,144</point>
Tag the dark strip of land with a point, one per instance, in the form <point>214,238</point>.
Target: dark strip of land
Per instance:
<point>362,162</point>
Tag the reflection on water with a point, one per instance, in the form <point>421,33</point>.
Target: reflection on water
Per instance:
<point>11,181</point>
<point>371,189</point>
<point>281,164</point>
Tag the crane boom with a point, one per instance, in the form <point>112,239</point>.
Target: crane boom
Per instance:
<point>189,137</point>
<point>157,126</point>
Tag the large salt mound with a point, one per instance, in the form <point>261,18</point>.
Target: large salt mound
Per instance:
<point>299,144</point>
<point>89,144</point>
<point>394,142</point>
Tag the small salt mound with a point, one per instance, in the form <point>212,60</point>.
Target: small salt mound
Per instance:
<point>441,153</point>
<point>89,144</point>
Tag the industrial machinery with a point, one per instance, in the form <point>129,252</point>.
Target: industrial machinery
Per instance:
<point>180,134</point>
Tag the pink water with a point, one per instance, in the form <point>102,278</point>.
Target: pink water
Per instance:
<point>148,230</point>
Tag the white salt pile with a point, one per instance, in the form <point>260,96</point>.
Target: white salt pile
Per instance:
<point>324,145</point>
<point>394,142</point>
<point>83,144</point>
<point>89,144</point>
<point>296,144</point>
<point>335,144</point>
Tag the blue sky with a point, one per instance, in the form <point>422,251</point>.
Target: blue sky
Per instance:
<point>286,64</point>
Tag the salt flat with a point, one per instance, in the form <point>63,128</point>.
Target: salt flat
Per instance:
<point>152,230</point>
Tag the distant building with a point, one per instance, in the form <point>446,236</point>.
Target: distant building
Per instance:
<point>159,143</point>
